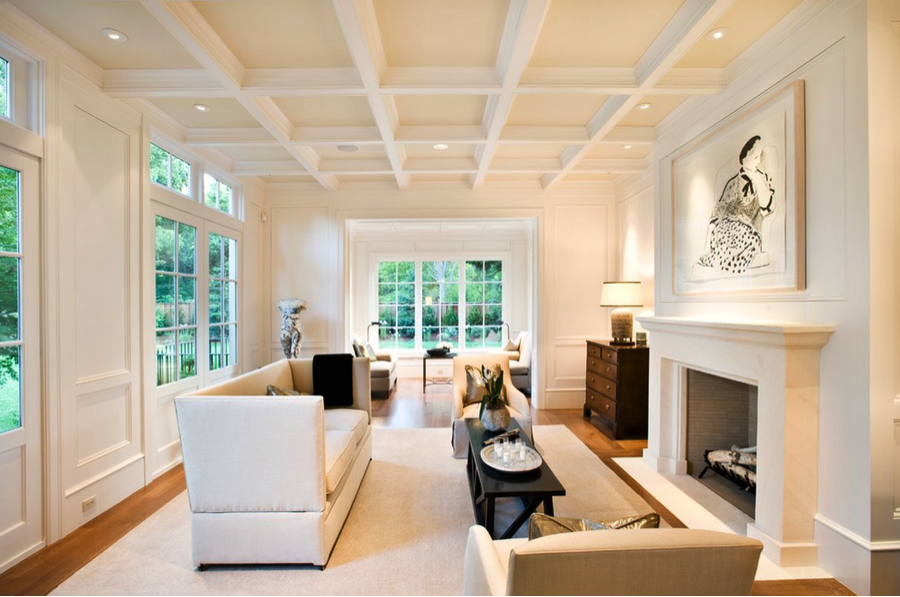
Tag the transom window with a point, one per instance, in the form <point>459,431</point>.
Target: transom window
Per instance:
<point>169,170</point>
<point>4,87</point>
<point>218,195</point>
<point>420,302</point>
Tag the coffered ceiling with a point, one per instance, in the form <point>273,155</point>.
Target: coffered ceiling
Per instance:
<point>364,93</point>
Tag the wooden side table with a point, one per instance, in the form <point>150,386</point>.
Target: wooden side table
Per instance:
<point>427,357</point>
<point>617,380</point>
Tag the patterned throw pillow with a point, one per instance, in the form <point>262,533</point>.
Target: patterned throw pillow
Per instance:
<point>277,391</point>
<point>541,525</point>
<point>475,391</point>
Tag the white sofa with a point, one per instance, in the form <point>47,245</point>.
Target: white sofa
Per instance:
<point>271,479</point>
<point>623,562</point>
<point>520,362</point>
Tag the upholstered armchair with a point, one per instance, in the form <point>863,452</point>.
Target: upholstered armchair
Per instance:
<point>519,408</point>
<point>520,361</point>
<point>623,562</point>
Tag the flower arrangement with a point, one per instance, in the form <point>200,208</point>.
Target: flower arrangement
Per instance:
<point>494,392</point>
<point>444,346</point>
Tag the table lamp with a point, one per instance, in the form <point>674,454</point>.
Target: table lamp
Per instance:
<point>621,295</point>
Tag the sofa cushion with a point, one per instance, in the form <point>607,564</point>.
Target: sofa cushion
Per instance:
<point>347,419</point>
<point>517,368</point>
<point>339,450</point>
<point>381,368</point>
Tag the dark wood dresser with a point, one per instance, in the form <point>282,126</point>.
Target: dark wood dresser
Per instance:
<point>617,379</point>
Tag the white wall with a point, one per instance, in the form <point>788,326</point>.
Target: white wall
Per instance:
<point>107,433</point>
<point>635,241</point>
<point>309,255</point>
<point>829,54</point>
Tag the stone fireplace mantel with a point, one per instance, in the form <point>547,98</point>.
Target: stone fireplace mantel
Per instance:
<point>782,360</point>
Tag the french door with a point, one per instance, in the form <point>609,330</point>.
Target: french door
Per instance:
<point>21,512</point>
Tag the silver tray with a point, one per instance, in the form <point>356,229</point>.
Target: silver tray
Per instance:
<point>532,461</point>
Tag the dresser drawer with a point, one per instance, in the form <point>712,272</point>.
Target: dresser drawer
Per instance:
<point>602,367</point>
<point>601,404</point>
<point>609,355</point>
<point>594,351</point>
<point>601,384</point>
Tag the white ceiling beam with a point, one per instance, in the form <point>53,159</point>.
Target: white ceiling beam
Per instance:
<point>524,21</point>
<point>610,166</point>
<point>187,26</point>
<point>360,27</point>
<point>515,134</point>
<point>268,168</point>
<point>284,82</point>
<point>151,83</point>
<point>441,166</point>
<point>687,26</point>
<point>578,79</point>
<point>336,135</point>
<point>224,137</point>
<point>431,134</point>
<point>439,81</point>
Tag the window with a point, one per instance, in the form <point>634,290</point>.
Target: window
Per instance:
<point>397,304</point>
<point>10,336</point>
<point>169,170</point>
<point>223,257</point>
<point>176,301</point>
<point>419,303</point>
<point>4,88</point>
<point>440,300</point>
<point>217,194</point>
<point>484,303</point>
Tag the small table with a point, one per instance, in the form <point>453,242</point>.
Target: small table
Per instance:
<point>487,484</point>
<point>425,360</point>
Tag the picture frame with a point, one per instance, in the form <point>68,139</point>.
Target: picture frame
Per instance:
<point>739,202</point>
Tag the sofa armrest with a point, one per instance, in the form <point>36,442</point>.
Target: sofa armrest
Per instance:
<point>517,399</point>
<point>483,572</point>
<point>253,453</point>
<point>362,385</point>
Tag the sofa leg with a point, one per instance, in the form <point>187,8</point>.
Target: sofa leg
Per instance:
<point>202,568</point>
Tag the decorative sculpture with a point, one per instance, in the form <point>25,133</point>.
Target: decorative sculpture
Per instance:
<point>291,334</point>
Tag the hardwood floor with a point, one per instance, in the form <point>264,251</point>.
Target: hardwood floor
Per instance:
<point>406,407</point>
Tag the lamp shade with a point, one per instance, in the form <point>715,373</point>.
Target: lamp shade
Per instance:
<point>621,294</point>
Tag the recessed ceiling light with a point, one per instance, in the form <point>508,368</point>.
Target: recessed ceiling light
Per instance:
<point>348,148</point>
<point>115,35</point>
<point>644,106</point>
<point>441,146</point>
<point>626,146</point>
<point>717,34</point>
<point>201,107</point>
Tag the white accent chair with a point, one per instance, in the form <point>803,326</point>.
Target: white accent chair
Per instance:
<point>383,370</point>
<point>271,480</point>
<point>622,562</point>
<point>519,408</point>
<point>520,361</point>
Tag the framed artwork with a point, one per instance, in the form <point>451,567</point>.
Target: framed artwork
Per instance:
<point>738,202</point>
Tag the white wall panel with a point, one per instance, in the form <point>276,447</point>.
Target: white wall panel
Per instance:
<point>303,266</point>
<point>12,499</point>
<point>580,265</point>
<point>102,422</point>
<point>102,246</point>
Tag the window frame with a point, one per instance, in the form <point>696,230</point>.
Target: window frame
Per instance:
<point>460,345</point>
<point>231,369</point>
<point>23,93</point>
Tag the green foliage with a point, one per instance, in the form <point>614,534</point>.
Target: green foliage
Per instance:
<point>4,87</point>
<point>9,276</point>
<point>494,394</point>
<point>10,403</point>
<point>169,170</point>
<point>159,165</point>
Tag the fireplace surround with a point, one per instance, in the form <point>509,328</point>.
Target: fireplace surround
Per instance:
<point>782,360</point>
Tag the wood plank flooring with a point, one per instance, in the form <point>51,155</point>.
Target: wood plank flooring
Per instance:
<point>406,407</point>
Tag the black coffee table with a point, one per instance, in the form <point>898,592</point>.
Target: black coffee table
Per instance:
<point>486,484</point>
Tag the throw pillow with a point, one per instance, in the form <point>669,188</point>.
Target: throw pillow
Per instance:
<point>541,525</point>
<point>277,391</point>
<point>510,346</point>
<point>474,390</point>
<point>357,349</point>
<point>370,352</point>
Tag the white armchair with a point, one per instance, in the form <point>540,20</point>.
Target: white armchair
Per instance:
<point>519,408</point>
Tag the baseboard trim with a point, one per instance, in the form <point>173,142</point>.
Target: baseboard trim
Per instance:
<point>879,546</point>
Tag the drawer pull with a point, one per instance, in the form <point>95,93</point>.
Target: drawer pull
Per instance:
<point>608,369</point>
<point>608,388</point>
<point>606,407</point>
<point>593,363</point>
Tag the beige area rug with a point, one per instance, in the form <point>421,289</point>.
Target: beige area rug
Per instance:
<point>406,533</point>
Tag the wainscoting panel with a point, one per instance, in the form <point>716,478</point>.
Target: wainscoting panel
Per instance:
<point>12,498</point>
<point>102,246</point>
<point>103,423</point>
